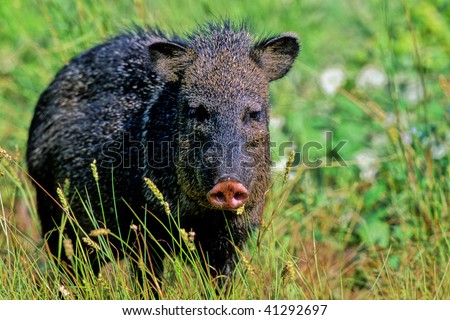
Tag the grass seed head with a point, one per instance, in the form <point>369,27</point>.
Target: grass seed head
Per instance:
<point>91,243</point>
<point>188,238</point>
<point>247,265</point>
<point>157,194</point>
<point>288,272</point>
<point>99,232</point>
<point>68,248</point>
<point>240,210</point>
<point>4,154</point>
<point>101,282</point>
<point>63,199</point>
<point>94,170</point>
<point>289,163</point>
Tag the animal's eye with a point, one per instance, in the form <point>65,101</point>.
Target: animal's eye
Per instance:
<point>253,116</point>
<point>200,113</point>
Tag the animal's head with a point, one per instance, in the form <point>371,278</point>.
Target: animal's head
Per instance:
<point>223,109</point>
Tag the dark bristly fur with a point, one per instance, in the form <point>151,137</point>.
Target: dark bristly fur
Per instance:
<point>183,113</point>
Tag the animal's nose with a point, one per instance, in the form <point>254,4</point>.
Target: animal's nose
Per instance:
<point>228,195</point>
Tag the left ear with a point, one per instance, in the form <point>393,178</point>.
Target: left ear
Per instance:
<point>276,55</point>
<point>169,59</point>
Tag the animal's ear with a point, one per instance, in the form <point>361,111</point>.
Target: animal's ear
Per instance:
<point>276,55</point>
<point>169,59</point>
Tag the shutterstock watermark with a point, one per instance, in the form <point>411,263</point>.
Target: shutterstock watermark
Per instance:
<point>303,154</point>
<point>190,152</point>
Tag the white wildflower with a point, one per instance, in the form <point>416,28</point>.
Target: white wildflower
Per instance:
<point>413,92</point>
<point>331,79</point>
<point>379,141</point>
<point>368,165</point>
<point>438,151</point>
<point>277,122</point>
<point>65,293</point>
<point>371,77</point>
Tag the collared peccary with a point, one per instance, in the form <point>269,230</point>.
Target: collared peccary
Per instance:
<point>190,114</point>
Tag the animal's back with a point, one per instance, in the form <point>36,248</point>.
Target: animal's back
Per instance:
<point>97,99</point>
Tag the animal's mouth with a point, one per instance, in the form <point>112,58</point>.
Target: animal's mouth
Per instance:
<point>206,204</point>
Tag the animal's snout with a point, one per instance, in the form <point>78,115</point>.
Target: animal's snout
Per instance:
<point>228,195</point>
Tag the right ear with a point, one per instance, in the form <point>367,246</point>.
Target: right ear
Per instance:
<point>169,59</point>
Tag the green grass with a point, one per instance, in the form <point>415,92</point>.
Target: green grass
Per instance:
<point>377,228</point>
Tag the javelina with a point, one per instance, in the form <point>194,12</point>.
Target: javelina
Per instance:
<point>190,114</point>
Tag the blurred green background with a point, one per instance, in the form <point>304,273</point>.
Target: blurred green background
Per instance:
<point>375,73</point>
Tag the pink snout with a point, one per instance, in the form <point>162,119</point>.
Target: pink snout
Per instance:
<point>228,195</point>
